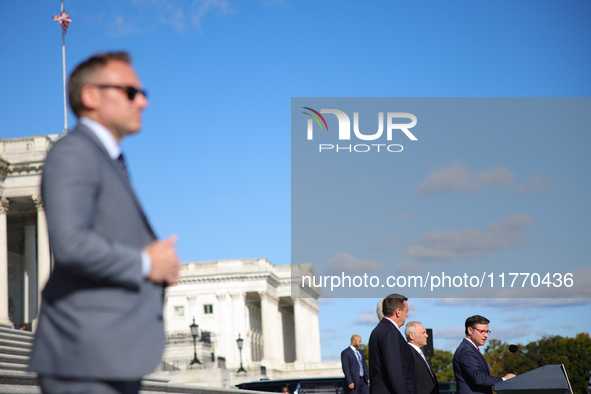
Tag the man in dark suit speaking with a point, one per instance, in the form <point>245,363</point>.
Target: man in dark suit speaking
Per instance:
<point>416,336</point>
<point>391,364</point>
<point>470,368</point>
<point>355,368</point>
<point>100,324</point>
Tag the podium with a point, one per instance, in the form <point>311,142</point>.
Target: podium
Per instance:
<point>549,379</point>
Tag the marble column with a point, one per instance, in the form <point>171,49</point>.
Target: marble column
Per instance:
<point>314,341</point>
<point>192,312</point>
<point>240,314</point>
<point>30,273</point>
<point>301,329</point>
<point>224,345</point>
<point>4,203</point>
<point>271,328</point>
<point>43,252</point>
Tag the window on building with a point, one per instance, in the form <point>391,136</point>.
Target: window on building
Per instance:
<point>208,309</point>
<point>179,311</point>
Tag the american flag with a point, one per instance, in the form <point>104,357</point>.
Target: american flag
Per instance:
<point>64,20</point>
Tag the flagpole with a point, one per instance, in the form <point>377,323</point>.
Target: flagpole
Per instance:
<point>64,75</point>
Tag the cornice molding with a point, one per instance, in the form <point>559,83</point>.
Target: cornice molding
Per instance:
<point>270,277</point>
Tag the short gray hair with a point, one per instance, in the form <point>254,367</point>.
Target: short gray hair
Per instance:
<point>411,327</point>
<point>379,310</point>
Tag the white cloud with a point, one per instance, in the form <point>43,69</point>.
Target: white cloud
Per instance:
<point>457,177</point>
<point>122,26</point>
<point>203,7</point>
<point>350,265</point>
<point>329,329</point>
<point>149,14</point>
<point>471,243</point>
<point>368,317</point>
<point>510,333</point>
<point>515,319</point>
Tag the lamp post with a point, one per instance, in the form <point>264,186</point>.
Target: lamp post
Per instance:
<point>195,333</point>
<point>240,342</point>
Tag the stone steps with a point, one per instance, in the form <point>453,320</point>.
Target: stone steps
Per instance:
<point>13,358</point>
<point>13,366</point>
<point>16,344</point>
<point>15,348</point>
<point>17,382</point>
<point>18,336</point>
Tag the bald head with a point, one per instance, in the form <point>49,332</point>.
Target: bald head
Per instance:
<point>356,341</point>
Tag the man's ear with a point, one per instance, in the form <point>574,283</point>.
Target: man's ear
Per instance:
<point>90,97</point>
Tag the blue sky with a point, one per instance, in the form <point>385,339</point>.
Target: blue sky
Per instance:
<point>212,163</point>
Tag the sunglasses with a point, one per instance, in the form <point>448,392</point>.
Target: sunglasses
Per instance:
<point>130,90</point>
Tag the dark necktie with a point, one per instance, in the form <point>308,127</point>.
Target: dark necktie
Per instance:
<point>121,162</point>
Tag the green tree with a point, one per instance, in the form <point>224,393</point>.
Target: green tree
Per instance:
<point>365,351</point>
<point>442,364</point>
<point>574,353</point>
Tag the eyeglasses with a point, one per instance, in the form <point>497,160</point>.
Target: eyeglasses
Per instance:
<point>130,90</point>
<point>482,331</point>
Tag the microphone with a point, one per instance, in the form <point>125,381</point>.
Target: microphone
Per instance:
<point>515,349</point>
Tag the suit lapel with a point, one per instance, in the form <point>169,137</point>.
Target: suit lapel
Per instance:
<point>480,355</point>
<point>122,175</point>
<point>425,363</point>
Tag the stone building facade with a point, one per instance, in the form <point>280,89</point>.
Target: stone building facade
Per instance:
<point>25,257</point>
<point>248,298</point>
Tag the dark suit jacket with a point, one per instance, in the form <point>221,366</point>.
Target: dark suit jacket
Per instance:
<point>471,370</point>
<point>351,369</point>
<point>391,364</point>
<point>427,382</point>
<point>99,318</point>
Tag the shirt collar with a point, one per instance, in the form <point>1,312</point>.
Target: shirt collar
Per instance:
<point>418,349</point>
<point>104,135</point>
<point>393,322</point>
<point>468,339</point>
<point>353,348</point>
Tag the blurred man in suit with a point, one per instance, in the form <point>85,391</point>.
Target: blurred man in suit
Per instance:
<point>391,364</point>
<point>470,368</point>
<point>100,324</point>
<point>355,368</point>
<point>416,336</point>
<point>379,312</point>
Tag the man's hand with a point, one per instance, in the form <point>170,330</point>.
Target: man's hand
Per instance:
<point>352,386</point>
<point>165,262</point>
<point>509,376</point>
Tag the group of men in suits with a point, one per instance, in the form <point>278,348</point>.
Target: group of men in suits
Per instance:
<point>100,324</point>
<point>397,366</point>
